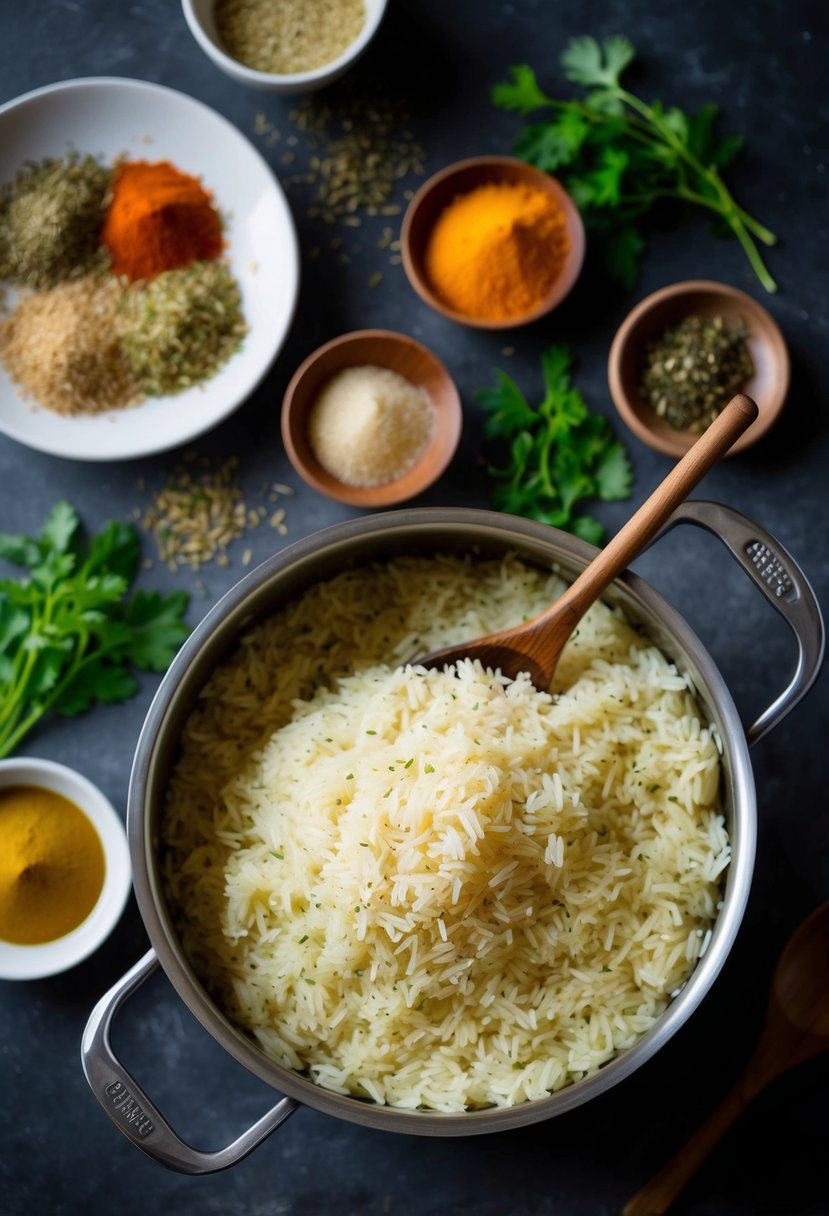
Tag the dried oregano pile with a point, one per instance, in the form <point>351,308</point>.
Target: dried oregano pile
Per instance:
<point>693,370</point>
<point>181,327</point>
<point>50,218</point>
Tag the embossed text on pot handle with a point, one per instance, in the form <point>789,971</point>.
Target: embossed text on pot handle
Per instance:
<point>784,585</point>
<point>132,1111</point>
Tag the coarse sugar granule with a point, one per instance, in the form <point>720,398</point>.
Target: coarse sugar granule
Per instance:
<point>369,425</point>
<point>61,347</point>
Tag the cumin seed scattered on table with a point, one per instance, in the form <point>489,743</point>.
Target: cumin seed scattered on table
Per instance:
<point>202,509</point>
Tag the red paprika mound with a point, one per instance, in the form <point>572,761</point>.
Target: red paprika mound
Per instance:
<point>159,219</point>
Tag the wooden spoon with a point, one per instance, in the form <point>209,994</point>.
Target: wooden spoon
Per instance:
<point>535,645</point>
<point>796,1028</point>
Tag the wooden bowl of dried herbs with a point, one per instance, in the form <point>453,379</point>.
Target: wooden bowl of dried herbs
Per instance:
<point>684,351</point>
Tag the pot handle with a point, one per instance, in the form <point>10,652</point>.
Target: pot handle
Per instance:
<point>131,1110</point>
<point>782,582</point>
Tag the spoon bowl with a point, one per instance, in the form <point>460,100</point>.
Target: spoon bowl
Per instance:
<point>535,645</point>
<point>801,980</point>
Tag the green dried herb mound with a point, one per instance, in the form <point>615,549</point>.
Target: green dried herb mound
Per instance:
<point>69,632</point>
<point>50,221</point>
<point>694,369</point>
<point>181,327</point>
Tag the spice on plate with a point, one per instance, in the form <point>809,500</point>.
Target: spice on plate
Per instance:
<point>288,36</point>
<point>495,253</point>
<point>62,348</point>
<point>50,220</point>
<point>159,219</point>
<point>369,425</point>
<point>51,865</point>
<point>179,328</point>
<point>694,369</point>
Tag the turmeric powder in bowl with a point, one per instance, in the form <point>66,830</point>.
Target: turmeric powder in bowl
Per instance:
<point>495,253</point>
<point>52,865</point>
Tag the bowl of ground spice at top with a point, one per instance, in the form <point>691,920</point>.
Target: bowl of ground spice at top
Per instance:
<point>284,46</point>
<point>683,352</point>
<point>492,242</point>
<point>371,418</point>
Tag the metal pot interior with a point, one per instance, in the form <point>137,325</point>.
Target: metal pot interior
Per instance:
<point>263,591</point>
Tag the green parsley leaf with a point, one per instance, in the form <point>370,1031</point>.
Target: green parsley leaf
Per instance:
<point>562,456</point>
<point>614,474</point>
<point>156,629</point>
<point>60,527</point>
<point>520,93</point>
<point>605,181</point>
<point>589,529</point>
<point>628,161</point>
<point>585,62</point>
<point>507,407</point>
<point>21,550</point>
<point>550,145</point>
<point>68,636</point>
<point>100,681</point>
<point>623,249</point>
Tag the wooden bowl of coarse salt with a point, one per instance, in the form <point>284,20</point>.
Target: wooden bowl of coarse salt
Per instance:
<point>371,418</point>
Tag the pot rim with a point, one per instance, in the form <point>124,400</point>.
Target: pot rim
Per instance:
<point>511,531</point>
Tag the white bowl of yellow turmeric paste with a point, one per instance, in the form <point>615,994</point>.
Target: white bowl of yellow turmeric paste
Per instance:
<point>64,868</point>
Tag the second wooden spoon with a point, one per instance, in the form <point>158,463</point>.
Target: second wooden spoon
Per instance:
<point>535,645</point>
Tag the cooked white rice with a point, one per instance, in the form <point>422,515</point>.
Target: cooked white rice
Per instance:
<point>436,890</point>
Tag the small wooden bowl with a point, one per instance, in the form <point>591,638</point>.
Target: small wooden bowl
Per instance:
<point>400,354</point>
<point>666,308</point>
<point>436,194</point>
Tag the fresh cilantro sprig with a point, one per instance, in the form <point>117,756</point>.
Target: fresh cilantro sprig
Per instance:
<point>68,633</point>
<point>621,157</point>
<point>559,453</point>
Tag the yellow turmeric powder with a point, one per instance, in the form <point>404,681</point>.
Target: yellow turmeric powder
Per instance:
<point>51,865</point>
<point>495,253</point>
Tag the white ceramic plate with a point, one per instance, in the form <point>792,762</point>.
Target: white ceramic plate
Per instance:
<point>108,117</point>
<point>35,962</point>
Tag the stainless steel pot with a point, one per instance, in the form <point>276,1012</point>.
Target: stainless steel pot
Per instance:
<point>769,566</point>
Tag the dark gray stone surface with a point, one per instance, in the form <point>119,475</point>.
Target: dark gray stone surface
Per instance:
<point>766,64</point>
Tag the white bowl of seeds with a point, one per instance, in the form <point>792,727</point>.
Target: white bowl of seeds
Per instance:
<point>285,46</point>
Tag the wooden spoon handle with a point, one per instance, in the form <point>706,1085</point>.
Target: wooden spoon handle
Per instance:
<point>658,1194</point>
<point>655,511</point>
<point>780,1046</point>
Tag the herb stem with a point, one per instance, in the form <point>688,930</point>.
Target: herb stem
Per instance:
<point>726,207</point>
